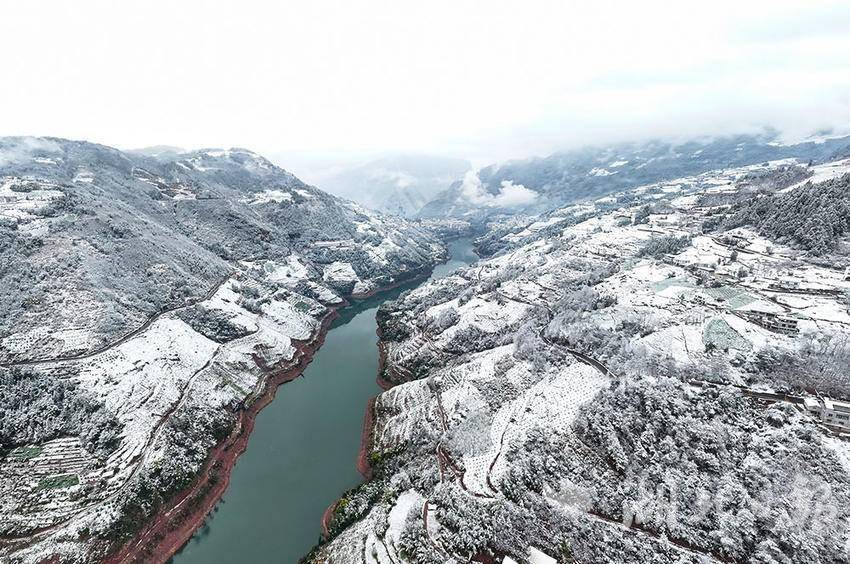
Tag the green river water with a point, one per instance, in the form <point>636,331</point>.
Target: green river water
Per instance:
<point>301,455</point>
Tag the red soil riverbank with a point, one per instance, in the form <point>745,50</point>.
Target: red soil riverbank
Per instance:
<point>363,465</point>
<point>174,525</point>
<point>326,519</point>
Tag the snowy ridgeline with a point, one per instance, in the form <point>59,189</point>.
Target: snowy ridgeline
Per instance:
<point>94,241</point>
<point>146,302</point>
<point>604,388</point>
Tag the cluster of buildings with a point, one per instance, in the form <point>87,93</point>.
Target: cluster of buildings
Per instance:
<point>708,264</point>
<point>830,412</point>
<point>772,322</point>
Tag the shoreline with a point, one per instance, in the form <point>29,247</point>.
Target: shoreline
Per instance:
<point>174,525</point>
<point>382,382</point>
<point>363,465</point>
<point>326,518</point>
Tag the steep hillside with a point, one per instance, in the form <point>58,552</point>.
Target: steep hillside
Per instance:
<point>623,381</point>
<point>95,241</point>
<point>150,305</point>
<point>540,184</point>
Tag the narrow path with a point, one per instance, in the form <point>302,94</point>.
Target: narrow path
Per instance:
<point>123,339</point>
<point>437,546</point>
<point>677,545</point>
<point>138,461</point>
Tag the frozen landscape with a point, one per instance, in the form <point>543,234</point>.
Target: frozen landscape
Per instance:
<point>657,374</point>
<point>650,376</point>
<point>149,305</point>
<point>394,282</point>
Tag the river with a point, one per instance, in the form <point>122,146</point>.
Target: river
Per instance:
<point>301,455</point>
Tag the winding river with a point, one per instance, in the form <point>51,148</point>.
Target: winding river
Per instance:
<point>301,455</point>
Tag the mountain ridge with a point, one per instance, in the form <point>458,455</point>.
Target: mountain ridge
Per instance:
<point>581,174</point>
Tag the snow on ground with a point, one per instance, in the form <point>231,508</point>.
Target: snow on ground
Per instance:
<point>165,368</point>
<point>22,199</point>
<point>83,176</point>
<point>339,272</point>
<point>552,403</point>
<point>403,408</point>
<point>533,228</point>
<point>479,398</point>
<point>685,202</point>
<point>841,448</point>
<point>408,501</point>
<point>486,315</point>
<point>824,172</point>
<point>289,319</point>
<point>268,196</point>
<point>536,556</point>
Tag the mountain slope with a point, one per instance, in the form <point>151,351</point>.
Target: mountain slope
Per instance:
<point>97,240</point>
<point>151,304</point>
<point>609,387</point>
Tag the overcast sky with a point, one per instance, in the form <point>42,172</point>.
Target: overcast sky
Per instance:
<point>482,80</point>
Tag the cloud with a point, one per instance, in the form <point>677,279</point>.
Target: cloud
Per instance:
<point>399,178</point>
<point>21,149</point>
<point>510,195</point>
<point>513,195</point>
<point>418,77</point>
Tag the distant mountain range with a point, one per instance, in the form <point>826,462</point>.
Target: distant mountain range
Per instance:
<point>541,184</point>
<point>399,184</point>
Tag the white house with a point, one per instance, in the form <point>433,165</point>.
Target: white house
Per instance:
<point>829,411</point>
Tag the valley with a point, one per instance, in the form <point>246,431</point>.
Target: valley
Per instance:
<point>655,373</point>
<point>425,282</point>
<point>131,381</point>
<point>302,452</point>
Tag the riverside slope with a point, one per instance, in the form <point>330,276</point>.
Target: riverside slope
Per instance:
<point>302,452</point>
<point>611,386</point>
<point>149,302</point>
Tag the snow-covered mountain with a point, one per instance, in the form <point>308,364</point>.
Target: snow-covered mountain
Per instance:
<point>541,184</point>
<point>643,376</point>
<point>398,184</point>
<point>148,302</point>
<point>610,386</point>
